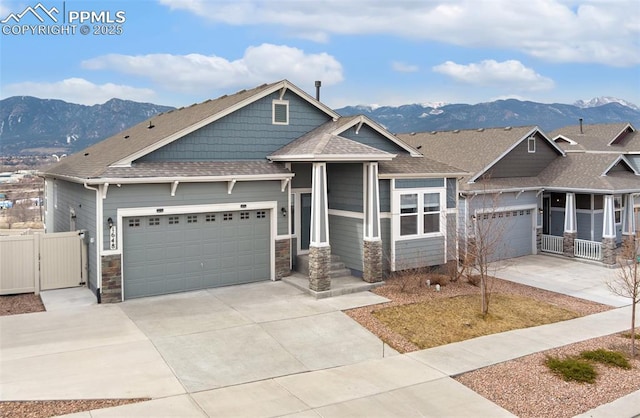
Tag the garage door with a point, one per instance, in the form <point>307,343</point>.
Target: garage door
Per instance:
<point>177,253</point>
<point>510,232</point>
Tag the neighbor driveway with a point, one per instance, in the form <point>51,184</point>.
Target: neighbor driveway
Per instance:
<point>562,275</point>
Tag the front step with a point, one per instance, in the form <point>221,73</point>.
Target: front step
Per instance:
<point>337,268</point>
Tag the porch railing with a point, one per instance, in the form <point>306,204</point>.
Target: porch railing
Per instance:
<point>590,250</point>
<point>552,244</point>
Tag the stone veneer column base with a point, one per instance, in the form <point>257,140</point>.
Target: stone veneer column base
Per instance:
<point>372,260</point>
<point>283,258</point>
<point>568,244</point>
<point>111,279</point>
<point>319,267</point>
<point>609,251</point>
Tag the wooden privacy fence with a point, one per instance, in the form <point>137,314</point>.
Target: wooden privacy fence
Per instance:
<point>30,263</point>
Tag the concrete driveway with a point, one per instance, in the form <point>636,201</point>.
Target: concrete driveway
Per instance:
<point>570,277</point>
<point>168,345</point>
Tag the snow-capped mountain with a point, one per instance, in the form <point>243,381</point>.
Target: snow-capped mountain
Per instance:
<point>600,101</point>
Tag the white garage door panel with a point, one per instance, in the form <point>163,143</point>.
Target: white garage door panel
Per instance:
<point>176,253</point>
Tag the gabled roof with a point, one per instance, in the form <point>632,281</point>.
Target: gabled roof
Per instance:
<point>591,172</point>
<point>408,166</point>
<point>125,147</point>
<point>324,144</point>
<point>473,150</point>
<point>609,137</point>
<point>359,120</point>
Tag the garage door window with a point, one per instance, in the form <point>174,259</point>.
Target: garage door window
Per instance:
<point>154,221</point>
<point>134,222</point>
<point>227,216</point>
<point>174,220</point>
<point>261,214</point>
<point>210,217</point>
<point>192,219</point>
<point>244,216</point>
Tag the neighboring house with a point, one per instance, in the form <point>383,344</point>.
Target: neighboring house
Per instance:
<point>541,195</point>
<point>232,190</point>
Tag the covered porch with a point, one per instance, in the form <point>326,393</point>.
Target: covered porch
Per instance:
<point>589,226</point>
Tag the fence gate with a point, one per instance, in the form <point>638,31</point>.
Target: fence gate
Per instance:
<point>30,263</point>
<point>61,260</point>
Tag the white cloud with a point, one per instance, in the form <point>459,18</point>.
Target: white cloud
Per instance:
<point>194,73</point>
<point>555,30</point>
<point>507,74</point>
<point>78,90</point>
<point>402,67</point>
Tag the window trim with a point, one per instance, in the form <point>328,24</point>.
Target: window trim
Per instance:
<point>531,144</point>
<point>275,103</point>
<point>421,192</point>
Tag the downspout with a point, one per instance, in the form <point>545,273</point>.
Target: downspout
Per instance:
<point>99,233</point>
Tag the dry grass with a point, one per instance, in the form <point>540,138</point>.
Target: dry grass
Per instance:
<point>449,299</point>
<point>458,318</point>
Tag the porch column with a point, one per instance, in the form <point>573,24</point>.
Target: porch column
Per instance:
<point>628,218</point>
<point>319,249</point>
<point>570,229</point>
<point>372,245</point>
<point>609,231</point>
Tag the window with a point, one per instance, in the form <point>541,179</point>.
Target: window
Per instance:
<point>420,212</point>
<point>134,222</point>
<point>280,112</point>
<point>531,143</point>
<point>174,220</point>
<point>227,216</point>
<point>261,214</point>
<point>408,214</point>
<point>154,221</point>
<point>210,217</point>
<point>192,219</point>
<point>617,208</point>
<point>431,213</point>
<point>244,215</point>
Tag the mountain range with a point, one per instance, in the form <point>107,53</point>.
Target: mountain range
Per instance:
<point>32,126</point>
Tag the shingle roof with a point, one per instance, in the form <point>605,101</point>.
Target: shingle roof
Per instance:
<point>323,144</point>
<point>191,169</point>
<point>471,150</point>
<point>407,165</point>
<point>584,171</point>
<point>597,138</point>
<point>146,136</point>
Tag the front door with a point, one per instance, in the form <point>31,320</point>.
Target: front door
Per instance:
<point>305,221</point>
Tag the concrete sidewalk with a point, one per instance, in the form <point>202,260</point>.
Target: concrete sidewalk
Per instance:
<point>415,384</point>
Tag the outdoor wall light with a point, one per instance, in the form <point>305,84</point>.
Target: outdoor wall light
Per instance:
<point>283,210</point>
<point>110,222</point>
<point>540,211</point>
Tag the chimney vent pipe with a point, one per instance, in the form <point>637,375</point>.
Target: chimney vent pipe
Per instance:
<point>581,126</point>
<point>318,84</point>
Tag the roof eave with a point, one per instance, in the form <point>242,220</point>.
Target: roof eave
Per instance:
<point>332,157</point>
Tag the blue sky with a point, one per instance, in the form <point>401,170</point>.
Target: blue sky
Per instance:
<point>378,52</point>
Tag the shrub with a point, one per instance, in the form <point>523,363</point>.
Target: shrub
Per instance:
<point>610,358</point>
<point>440,279</point>
<point>572,369</point>
<point>474,279</point>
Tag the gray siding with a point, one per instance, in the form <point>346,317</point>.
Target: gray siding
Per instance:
<point>598,222</point>
<point>583,225</point>
<point>344,184</point>
<point>384,187</point>
<point>370,137</point>
<point>452,236</point>
<point>452,191</point>
<point>83,202</point>
<point>152,195</point>
<point>419,253</point>
<point>302,179</point>
<point>246,134</point>
<point>521,163</point>
<point>345,236</point>
<point>416,183</point>
<point>385,235</point>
